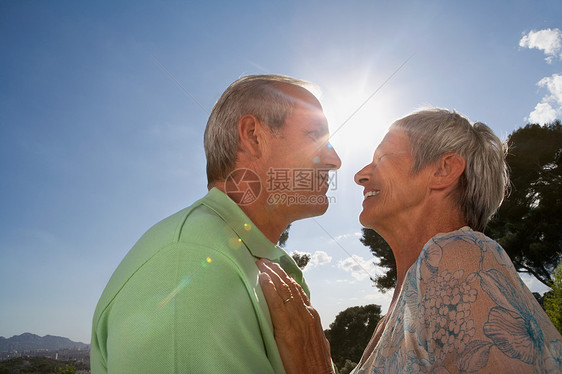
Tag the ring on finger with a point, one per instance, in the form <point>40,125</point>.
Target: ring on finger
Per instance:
<point>288,299</point>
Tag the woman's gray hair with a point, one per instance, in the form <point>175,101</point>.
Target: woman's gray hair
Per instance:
<point>259,95</point>
<point>435,132</point>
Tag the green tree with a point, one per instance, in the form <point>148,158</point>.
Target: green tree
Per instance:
<point>350,333</point>
<point>553,299</point>
<point>69,369</point>
<point>380,249</point>
<point>301,259</point>
<point>40,365</point>
<point>284,237</point>
<point>528,225</point>
<point>348,367</point>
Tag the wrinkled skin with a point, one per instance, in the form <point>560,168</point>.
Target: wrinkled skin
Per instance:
<point>298,331</point>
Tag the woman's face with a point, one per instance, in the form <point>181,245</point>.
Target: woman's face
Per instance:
<point>391,193</point>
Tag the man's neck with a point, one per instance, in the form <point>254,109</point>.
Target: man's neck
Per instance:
<point>263,219</point>
<point>267,219</point>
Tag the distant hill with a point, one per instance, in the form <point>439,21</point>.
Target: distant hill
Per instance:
<point>32,342</point>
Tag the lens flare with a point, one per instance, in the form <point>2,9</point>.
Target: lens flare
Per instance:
<point>205,263</point>
<point>234,243</point>
<point>184,282</point>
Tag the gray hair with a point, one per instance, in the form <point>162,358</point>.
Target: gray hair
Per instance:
<point>435,132</point>
<point>259,95</point>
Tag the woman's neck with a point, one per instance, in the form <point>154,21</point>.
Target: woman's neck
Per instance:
<point>408,238</point>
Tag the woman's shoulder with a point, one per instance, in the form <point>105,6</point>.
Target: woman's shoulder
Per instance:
<point>465,249</point>
<point>466,242</point>
<point>464,237</point>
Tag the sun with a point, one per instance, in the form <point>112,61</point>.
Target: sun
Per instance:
<point>358,115</point>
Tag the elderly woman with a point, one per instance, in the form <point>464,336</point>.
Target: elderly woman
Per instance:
<point>459,305</point>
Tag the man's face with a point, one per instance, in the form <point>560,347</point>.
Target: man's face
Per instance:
<point>298,158</point>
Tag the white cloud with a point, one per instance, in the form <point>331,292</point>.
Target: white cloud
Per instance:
<point>320,258</point>
<point>383,299</point>
<point>554,86</point>
<point>317,258</point>
<point>358,266</point>
<point>547,40</point>
<point>542,114</point>
<point>346,236</point>
<point>550,108</point>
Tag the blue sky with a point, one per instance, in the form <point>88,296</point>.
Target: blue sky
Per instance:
<point>103,107</point>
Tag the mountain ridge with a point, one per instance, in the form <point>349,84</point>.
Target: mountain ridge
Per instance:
<point>31,342</point>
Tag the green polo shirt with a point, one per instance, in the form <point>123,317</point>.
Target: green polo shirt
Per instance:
<point>186,298</point>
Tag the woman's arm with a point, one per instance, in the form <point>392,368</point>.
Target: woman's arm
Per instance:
<point>298,332</point>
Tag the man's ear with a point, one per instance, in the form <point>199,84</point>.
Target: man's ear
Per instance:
<point>250,135</point>
<point>447,171</point>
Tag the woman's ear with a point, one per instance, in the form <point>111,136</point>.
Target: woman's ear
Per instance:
<point>447,171</point>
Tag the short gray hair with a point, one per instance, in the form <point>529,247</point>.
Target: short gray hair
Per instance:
<point>435,132</point>
<point>259,95</point>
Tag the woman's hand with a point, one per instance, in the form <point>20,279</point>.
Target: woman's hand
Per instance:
<point>298,332</point>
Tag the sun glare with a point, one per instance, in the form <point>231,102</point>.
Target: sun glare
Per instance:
<point>357,123</point>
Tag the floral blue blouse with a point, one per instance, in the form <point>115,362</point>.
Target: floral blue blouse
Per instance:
<point>463,309</point>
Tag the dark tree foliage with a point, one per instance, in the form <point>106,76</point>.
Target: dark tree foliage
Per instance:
<point>301,259</point>
<point>284,237</point>
<point>380,249</point>
<point>540,298</point>
<point>69,369</point>
<point>351,331</point>
<point>528,225</point>
<point>553,299</point>
<point>348,367</point>
<point>36,365</point>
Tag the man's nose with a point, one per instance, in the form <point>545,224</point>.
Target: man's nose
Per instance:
<point>331,158</point>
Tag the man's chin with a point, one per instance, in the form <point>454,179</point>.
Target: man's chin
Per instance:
<point>314,210</point>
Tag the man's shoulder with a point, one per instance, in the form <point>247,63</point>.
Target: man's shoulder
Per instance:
<point>194,224</point>
<point>168,229</point>
<point>161,238</point>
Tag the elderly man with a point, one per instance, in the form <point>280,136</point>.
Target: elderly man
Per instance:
<point>186,298</point>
